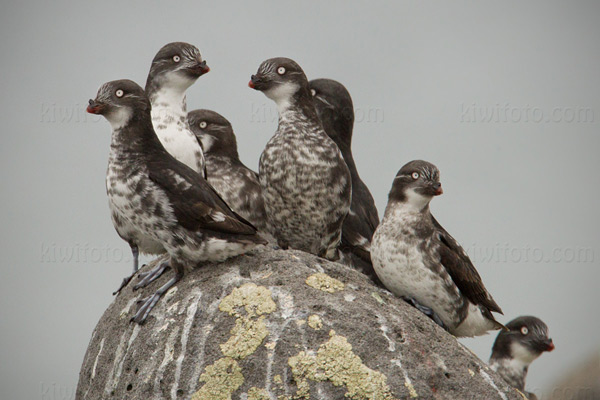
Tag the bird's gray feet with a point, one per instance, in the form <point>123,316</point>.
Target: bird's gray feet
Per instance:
<point>135,253</point>
<point>123,284</point>
<point>146,305</point>
<point>152,275</point>
<point>425,310</point>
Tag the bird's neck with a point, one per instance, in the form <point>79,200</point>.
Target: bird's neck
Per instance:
<point>136,139</point>
<point>168,100</point>
<point>513,370</point>
<point>297,106</point>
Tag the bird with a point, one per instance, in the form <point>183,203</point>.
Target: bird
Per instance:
<point>237,184</point>
<point>516,348</point>
<point>415,257</point>
<point>306,185</point>
<point>336,112</point>
<point>157,198</point>
<point>174,69</point>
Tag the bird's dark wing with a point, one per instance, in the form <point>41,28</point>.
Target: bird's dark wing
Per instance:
<point>195,203</point>
<point>360,224</point>
<point>461,269</point>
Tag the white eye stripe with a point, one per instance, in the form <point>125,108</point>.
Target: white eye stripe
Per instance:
<point>176,58</point>
<point>119,93</point>
<point>281,70</point>
<point>313,92</point>
<point>202,124</point>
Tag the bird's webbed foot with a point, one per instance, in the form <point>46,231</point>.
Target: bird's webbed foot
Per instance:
<point>126,280</point>
<point>146,305</point>
<point>152,275</point>
<point>426,310</point>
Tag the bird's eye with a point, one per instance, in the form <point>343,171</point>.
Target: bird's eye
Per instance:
<point>281,70</point>
<point>524,330</point>
<point>415,175</point>
<point>202,124</point>
<point>119,93</point>
<point>313,92</point>
<point>176,58</point>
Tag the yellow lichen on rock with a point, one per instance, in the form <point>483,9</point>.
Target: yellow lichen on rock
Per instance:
<point>315,322</point>
<point>246,336</point>
<point>324,282</point>
<point>222,378</point>
<point>258,394</point>
<point>277,379</point>
<point>335,362</point>
<point>255,299</point>
<point>249,331</point>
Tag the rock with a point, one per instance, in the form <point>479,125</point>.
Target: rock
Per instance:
<point>278,325</point>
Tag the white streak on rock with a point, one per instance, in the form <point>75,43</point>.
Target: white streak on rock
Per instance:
<point>192,308</point>
<point>489,380</point>
<point>120,354</point>
<point>167,358</point>
<point>96,360</point>
<point>206,330</point>
<point>407,382</point>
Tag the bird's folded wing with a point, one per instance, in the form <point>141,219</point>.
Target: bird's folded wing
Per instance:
<point>461,269</point>
<point>195,203</point>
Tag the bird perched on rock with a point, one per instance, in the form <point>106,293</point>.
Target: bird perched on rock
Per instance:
<point>174,69</point>
<point>336,112</point>
<point>156,199</point>
<point>515,349</point>
<point>416,258</point>
<point>305,182</point>
<point>236,183</point>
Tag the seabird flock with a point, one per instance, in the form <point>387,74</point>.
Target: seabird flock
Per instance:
<point>176,185</point>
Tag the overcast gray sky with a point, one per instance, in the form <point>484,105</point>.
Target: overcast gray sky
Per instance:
<point>503,99</point>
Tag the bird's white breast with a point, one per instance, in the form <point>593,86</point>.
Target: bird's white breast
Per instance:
<point>398,260</point>
<point>172,128</point>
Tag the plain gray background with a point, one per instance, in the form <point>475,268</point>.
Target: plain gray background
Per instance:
<point>503,99</point>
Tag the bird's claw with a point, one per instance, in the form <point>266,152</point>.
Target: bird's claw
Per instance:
<point>150,276</point>
<point>427,311</point>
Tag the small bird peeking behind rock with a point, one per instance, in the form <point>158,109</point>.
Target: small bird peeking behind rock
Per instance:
<point>237,184</point>
<point>516,348</point>
<point>306,185</point>
<point>416,258</point>
<point>158,200</point>
<point>336,112</point>
<point>174,69</point>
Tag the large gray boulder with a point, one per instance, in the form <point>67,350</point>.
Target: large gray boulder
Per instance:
<point>278,325</point>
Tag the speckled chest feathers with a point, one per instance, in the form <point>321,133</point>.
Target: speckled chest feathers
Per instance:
<point>305,184</point>
<point>406,259</point>
<point>238,186</point>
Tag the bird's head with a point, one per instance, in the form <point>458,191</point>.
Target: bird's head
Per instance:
<point>416,184</point>
<point>118,101</point>
<point>525,340</point>
<point>213,131</point>
<point>334,107</point>
<point>280,79</point>
<point>176,66</point>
